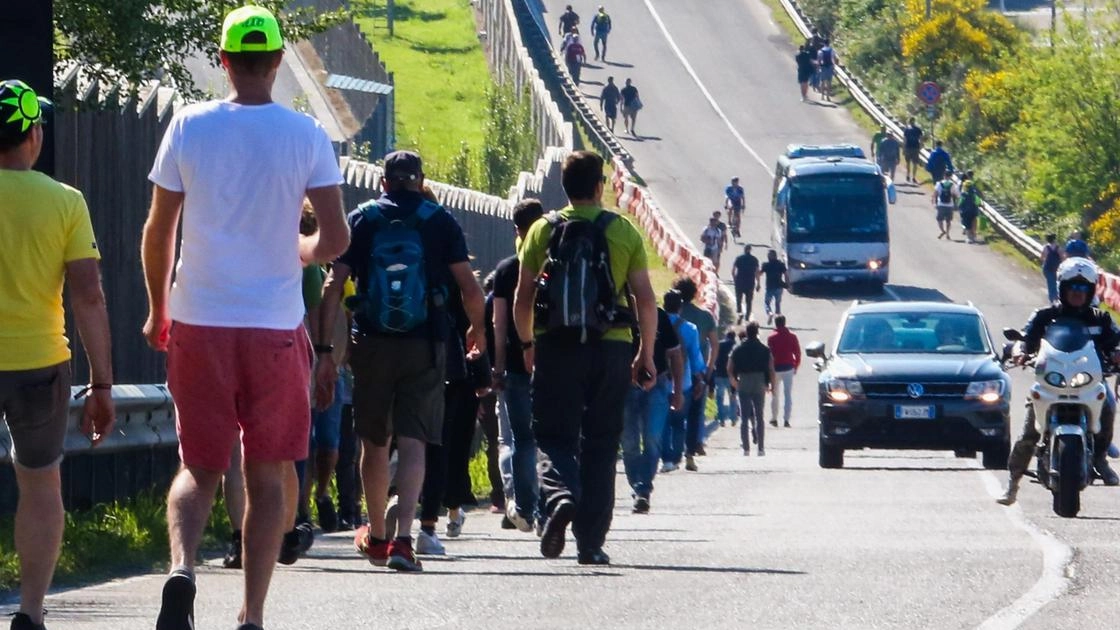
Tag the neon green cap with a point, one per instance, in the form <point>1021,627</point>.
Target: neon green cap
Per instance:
<point>20,108</point>
<point>251,19</point>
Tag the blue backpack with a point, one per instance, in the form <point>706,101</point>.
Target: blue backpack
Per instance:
<point>397,293</point>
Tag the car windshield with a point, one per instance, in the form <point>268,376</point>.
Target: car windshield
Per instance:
<point>933,333</point>
<point>837,208</point>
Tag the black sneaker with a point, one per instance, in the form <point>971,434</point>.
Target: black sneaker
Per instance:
<point>249,626</point>
<point>593,557</point>
<point>176,611</point>
<point>290,548</point>
<point>507,524</point>
<point>20,621</point>
<point>641,505</point>
<point>328,517</point>
<point>555,529</point>
<point>306,536</point>
<point>232,560</point>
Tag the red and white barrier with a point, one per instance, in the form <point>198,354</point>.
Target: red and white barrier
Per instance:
<point>672,246</point>
<point>1108,290</point>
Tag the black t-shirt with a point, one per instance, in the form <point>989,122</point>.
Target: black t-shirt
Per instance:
<point>746,268</point>
<point>724,354</point>
<point>774,270</point>
<point>912,136</point>
<point>505,285</point>
<point>804,62</point>
<point>610,96</point>
<point>752,356</point>
<point>444,245</point>
<point>667,339</point>
<point>629,93</point>
<point>568,20</point>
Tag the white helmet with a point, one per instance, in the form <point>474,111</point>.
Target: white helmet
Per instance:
<point>1077,271</point>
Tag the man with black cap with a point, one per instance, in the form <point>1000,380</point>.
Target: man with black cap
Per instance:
<point>406,253</point>
<point>46,238</point>
<point>237,171</point>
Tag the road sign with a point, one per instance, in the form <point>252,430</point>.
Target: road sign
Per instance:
<point>931,111</point>
<point>929,93</point>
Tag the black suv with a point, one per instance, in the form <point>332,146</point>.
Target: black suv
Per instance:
<point>912,375</point>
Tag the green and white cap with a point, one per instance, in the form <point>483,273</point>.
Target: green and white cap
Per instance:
<point>251,19</point>
<point>20,108</point>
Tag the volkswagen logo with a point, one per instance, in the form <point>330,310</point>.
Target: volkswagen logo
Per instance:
<point>915,390</point>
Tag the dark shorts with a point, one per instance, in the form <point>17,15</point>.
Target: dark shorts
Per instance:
<point>944,213</point>
<point>398,388</point>
<point>826,73</point>
<point>36,406</point>
<point>968,220</point>
<point>912,154</point>
<point>803,76</point>
<point>611,111</point>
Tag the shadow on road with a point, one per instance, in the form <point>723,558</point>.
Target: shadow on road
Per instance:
<point>689,569</point>
<point>619,64</point>
<point>908,469</point>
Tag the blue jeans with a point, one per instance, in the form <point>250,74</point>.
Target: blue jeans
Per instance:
<point>776,296</point>
<point>1051,284</point>
<point>644,424</point>
<point>694,425</point>
<point>326,426</point>
<point>518,458</point>
<point>727,403</point>
<point>672,438</point>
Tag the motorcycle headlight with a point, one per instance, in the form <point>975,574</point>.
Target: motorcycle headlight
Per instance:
<point>1055,379</point>
<point>986,391</point>
<point>1081,379</point>
<point>844,389</point>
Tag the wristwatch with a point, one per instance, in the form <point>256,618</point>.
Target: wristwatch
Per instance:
<point>525,345</point>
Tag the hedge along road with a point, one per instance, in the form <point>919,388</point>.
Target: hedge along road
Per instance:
<point>717,79</point>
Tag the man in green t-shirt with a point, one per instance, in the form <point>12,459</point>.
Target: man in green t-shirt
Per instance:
<point>580,382</point>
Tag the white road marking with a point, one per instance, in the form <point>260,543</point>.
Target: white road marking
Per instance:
<point>703,88</point>
<point>1057,559</point>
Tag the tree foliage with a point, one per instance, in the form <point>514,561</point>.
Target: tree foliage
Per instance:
<point>959,35</point>
<point>138,40</point>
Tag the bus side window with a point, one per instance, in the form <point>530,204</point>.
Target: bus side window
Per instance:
<point>781,202</point>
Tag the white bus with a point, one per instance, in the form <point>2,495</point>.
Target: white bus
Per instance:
<point>830,220</point>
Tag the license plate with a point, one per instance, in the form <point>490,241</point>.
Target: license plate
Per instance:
<point>839,278</point>
<point>914,412</point>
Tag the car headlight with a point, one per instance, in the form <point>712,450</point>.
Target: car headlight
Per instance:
<point>1081,379</point>
<point>795,263</point>
<point>985,391</point>
<point>877,263</point>
<point>1055,379</point>
<point>844,389</point>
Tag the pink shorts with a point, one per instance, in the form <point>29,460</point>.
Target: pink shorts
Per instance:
<point>251,381</point>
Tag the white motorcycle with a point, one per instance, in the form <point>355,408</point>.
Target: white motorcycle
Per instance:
<point>1067,398</point>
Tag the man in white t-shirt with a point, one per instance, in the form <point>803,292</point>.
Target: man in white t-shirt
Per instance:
<point>945,195</point>
<point>713,239</point>
<point>239,359</point>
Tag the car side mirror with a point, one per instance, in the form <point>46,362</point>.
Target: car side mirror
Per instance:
<point>1012,334</point>
<point>815,350</point>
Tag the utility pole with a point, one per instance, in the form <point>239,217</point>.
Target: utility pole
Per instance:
<point>26,53</point>
<point>929,9</point>
<point>389,6</point>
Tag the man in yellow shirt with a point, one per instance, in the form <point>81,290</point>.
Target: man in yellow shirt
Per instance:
<point>45,239</point>
<point>577,267</point>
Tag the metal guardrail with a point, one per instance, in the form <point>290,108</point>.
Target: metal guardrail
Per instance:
<point>145,419</point>
<point>1003,224</point>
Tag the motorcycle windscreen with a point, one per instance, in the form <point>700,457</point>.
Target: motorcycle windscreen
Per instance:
<point>1067,335</point>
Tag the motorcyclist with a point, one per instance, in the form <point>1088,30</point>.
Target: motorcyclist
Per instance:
<point>1077,282</point>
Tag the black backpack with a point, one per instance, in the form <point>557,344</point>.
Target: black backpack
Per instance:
<point>575,290</point>
<point>944,193</point>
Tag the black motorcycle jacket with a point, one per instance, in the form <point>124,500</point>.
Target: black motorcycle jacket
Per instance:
<point>1105,333</point>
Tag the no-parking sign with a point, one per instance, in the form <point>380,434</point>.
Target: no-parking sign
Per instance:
<point>929,93</point>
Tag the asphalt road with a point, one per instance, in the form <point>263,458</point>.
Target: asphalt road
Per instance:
<point>895,540</point>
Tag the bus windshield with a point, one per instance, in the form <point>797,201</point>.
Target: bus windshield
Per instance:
<point>837,208</point>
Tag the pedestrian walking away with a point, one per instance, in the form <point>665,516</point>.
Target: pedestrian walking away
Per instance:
<point>600,28</point>
<point>786,350</point>
<point>945,195</point>
<point>1076,247</point>
<point>744,274</point>
<point>647,411</point>
<point>888,154</point>
<point>969,208</point>
<point>675,442</point>
<point>608,102</point>
<point>912,149</point>
<point>727,401</point>
<point>407,253</point>
<point>631,104</point>
<point>776,282</point>
<point>751,368</point>
<point>46,242</point>
<point>512,380</point>
<point>581,352</point>
<point>940,163</point>
<point>734,200</point>
<point>1050,258</point>
<point>827,61</point>
<point>707,327</point>
<point>568,20</point>
<point>239,358</point>
<point>806,67</point>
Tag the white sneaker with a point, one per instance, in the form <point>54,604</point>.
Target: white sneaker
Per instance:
<point>429,545</point>
<point>668,467</point>
<point>515,517</point>
<point>391,511</point>
<point>455,525</point>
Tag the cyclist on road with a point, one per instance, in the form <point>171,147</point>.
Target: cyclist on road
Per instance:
<point>734,201</point>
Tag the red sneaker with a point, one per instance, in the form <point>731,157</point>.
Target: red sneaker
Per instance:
<point>376,552</point>
<point>402,558</point>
